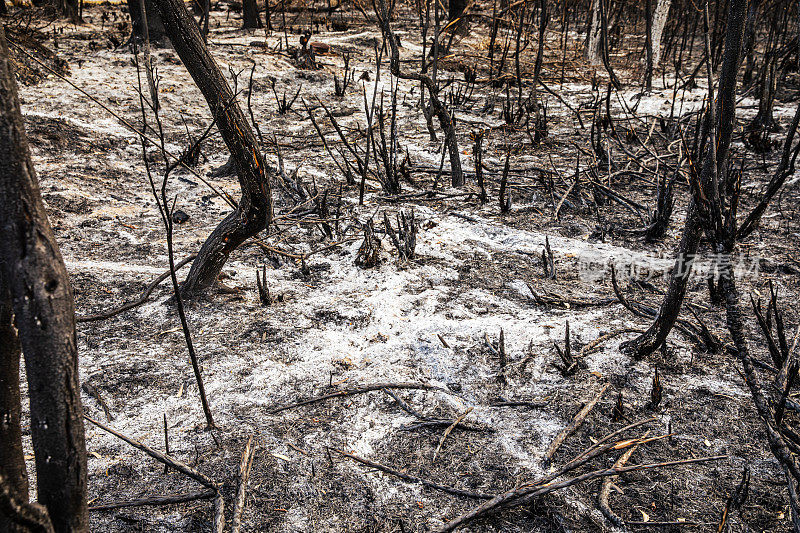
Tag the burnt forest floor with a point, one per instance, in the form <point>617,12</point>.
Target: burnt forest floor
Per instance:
<point>430,320</point>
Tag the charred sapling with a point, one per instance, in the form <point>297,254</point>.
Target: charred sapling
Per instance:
<point>340,86</point>
<point>569,364</point>
<point>369,254</point>
<point>504,197</point>
<point>405,239</point>
<point>548,265</point>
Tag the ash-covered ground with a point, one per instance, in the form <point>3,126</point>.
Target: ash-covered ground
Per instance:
<point>434,320</point>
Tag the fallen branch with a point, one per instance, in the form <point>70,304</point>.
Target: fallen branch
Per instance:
<point>576,422</point>
<point>244,475</point>
<point>449,430</point>
<point>351,392</point>
<point>415,479</point>
<point>524,494</point>
<point>605,490</point>
<point>163,458</point>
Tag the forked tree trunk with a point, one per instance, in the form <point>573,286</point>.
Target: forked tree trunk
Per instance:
<point>250,14</point>
<point>155,28</point>
<point>44,313</point>
<point>660,16</point>
<point>254,211</point>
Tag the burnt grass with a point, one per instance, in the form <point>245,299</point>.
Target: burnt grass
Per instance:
<point>256,357</point>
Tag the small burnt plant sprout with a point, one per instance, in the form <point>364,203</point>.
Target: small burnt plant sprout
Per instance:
<point>656,391</point>
<point>340,86</point>
<point>548,265</point>
<point>405,238</point>
<point>569,365</point>
<point>504,196</point>
<point>263,290</point>
<point>284,102</point>
<point>369,254</point>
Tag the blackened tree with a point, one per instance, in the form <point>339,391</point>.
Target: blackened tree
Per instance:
<point>38,291</point>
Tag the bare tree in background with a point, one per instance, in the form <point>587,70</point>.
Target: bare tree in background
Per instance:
<point>154,27</point>
<point>250,16</point>
<point>657,29</point>
<point>38,292</point>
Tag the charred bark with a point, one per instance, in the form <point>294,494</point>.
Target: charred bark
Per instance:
<point>250,14</point>
<point>656,334</point>
<point>44,312</point>
<point>12,458</point>
<point>713,162</point>
<point>254,211</point>
<point>155,27</point>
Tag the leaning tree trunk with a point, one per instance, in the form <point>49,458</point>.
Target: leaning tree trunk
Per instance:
<point>250,14</point>
<point>44,313</point>
<point>655,336</point>
<point>254,211</point>
<point>657,29</point>
<point>155,27</point>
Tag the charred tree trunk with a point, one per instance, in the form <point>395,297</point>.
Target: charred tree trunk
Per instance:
<point>656,334</point>
<point>749,41</point>
<point>155,27</point>
<point>250,14</point>
<point>713,163</point>
<point>12,458</point>
<point>254,211</point>
<point>3,8</point>
<point>44,312</point>
<point>69,9</point>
